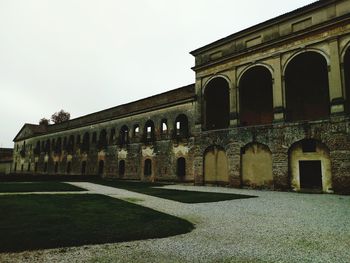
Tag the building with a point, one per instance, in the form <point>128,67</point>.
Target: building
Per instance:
<point>6,155</point>
<point>270,108</point>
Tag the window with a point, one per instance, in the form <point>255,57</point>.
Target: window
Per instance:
<point>147,168</point>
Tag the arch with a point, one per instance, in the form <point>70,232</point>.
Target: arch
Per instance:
<point>164,126</point>
<point>86,142</point>
<point>148,131</point>
<point>83,167</point>
<point>181,126</point>
<point>102,141</point>
<point>307,87</point>
<point>215,165</point>
<point>346,61</point>
<point>121,168</point>
<point>181,168</point>
<point>256,165</point>
<point>216,103</point>
<point>124,135</point>
<point>101,164</point>
<point>136,130</point>
<point>310,166</point>
<point>147,169</point>
<point>256,98</point>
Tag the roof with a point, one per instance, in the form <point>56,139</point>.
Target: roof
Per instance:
<point>262,25</point>
<point>172,97</point>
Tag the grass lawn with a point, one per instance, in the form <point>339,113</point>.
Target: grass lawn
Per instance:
<point>50,221</point>
<point>176,195</point>
<point>37,187</point>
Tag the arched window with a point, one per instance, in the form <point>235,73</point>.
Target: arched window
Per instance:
<point>181,167</point>
<point>181,126</point>
<point>217,104</point>
<point>112,136</point>
<point>121,168</point>
<point>149,131</point>
<point>47,146</point>
<point>347,79</point>
<point>70,146</point>
<point>100,167</point>
<point>255,90</point>
<point>164,127</point>
<point>58,146</point>
<point>136,130</point>
<point>78,140</point>
<point>124,135</point>
<point>86,142</point>
<point>147,170</point>
<point>94,137</point>
<point>65,143</point>
<point>102,142</point>
<point>306,82</point>
<point>83,167</point>
<point>36,150</point>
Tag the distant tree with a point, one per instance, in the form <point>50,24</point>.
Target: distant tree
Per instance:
<point>60,116</point>
<point>44,121</point>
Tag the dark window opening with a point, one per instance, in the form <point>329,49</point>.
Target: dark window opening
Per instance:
<point>83,167</point>
<point>65,143</point>
<point>35,167</point>
<point>70,146</point>
<point>94,137</point>
<point>347,79</point>
<point>45,167</point>
<point>310,174</point>
<point>255,90</point>
<point>69,167</point>
<point>181,126</point>
<point>149,131</point>
<point>100,167</point>
<point>78,140</point>
<point>136,130</point>
<point>307,93</point>
<point>36,150</point>
<point>112,136</point>
<point>181,167</point>
<point>28,169</point>
<point>58,147</point>
<point>86,142</point>
<point>124,135</point>
<point>15,168</point>
<point>147,170</point>
<point>22,168</point>
<point>102,142</point>
<point>217,104</point>
<point>308,145</point>
<point>47,146</point>
<point>121,168</point>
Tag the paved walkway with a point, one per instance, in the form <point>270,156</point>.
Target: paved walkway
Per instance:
<point>275,227</point>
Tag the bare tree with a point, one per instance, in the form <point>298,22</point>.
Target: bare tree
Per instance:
<point>60,116</point>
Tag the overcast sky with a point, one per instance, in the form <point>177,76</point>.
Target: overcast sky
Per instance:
<point>88,55</point>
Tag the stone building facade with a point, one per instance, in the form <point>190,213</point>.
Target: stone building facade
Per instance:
<point>270,108</point>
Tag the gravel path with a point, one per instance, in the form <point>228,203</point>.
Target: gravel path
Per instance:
<point>275,227</point>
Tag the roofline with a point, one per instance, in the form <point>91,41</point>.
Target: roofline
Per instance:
<point>265,24</point>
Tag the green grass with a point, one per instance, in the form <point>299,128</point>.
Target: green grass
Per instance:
<point>37,187</point>
<point>50,221</point>
<point>175,195</point>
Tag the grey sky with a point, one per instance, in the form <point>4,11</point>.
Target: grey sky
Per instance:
<point>83,55</point>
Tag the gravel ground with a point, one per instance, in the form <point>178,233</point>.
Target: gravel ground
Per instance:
<point>274,227</point>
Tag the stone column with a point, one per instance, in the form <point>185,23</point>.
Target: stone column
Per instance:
<point>277,90</point>
<point>233,98</point>
<point>335,83</point>
<point>198,105</point>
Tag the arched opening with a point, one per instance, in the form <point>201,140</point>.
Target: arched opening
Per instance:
<point>58,147</point>
<point>121,168</point>
<point>124,135</point>
<point>310,166</point>
<point>36,150</point>
<point>256,161</point>
<point>77,143</point>
<point>136,130</point>
<point>94,137</point>
<point>112,136</point>
<point>149,131</point>
<point>83,167</point>
<point>65,143</point>
<point>70,146</point>
<point>181,168</point>
<point>101,164</point>
<point>347,79</point>
<point>47,146</point>
<point>102,142</point>
<point>217,104</point>
<point>69,167</point>
<point>181,126</point>
<point>306,87</point>
<point>256,99</point>
<point>147,170</point>
<point>215,165</point>
<point>164,127</point>
<point>86,142</point>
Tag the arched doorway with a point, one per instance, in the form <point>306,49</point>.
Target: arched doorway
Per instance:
<point>121,168</point>
<point>181,168</point>
<point>347,79</point>
<point>255,90</point>
<point>147,169</point>
<point>217,104</point>
<point>310,166</point>
<point>215,165</point>
<point>100,167</point>
<point>307,88</point>
<point>256,161</point>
